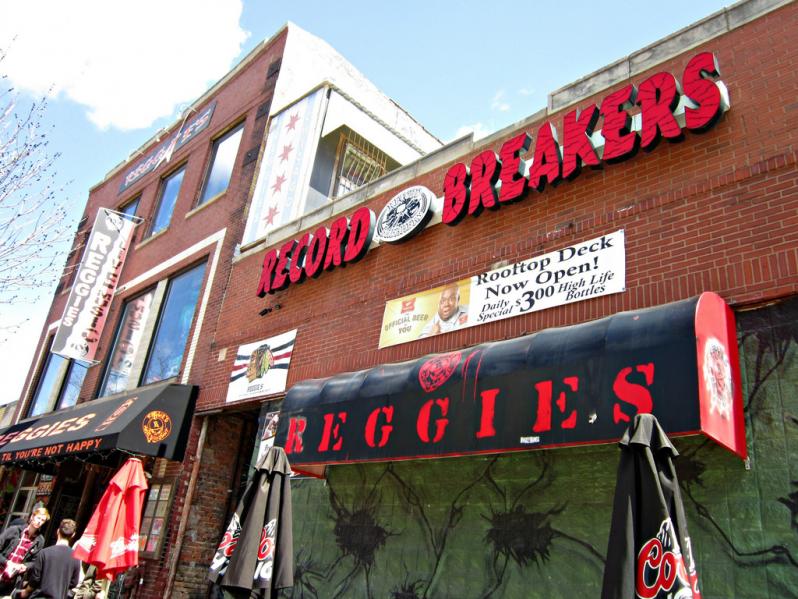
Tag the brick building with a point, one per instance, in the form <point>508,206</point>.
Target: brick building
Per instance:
<point>433,316</point>
<point>188,192</point>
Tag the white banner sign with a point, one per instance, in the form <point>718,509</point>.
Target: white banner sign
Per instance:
<point>572,274</point>
<point>95,283</point>
<point>284,179</point>
<point>261,368</point>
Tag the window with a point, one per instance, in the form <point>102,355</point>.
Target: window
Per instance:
<point>359,162</point>
<point>153,522</point>
<point>174,323</point>
<point>170,189</point>
<point>223,157</point>
<point>25,497</point>
<point>128,341</point>
<point>131,207</point>
<point>59,385</point>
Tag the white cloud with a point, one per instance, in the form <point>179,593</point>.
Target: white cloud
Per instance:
<point>526,91</point>
<point>479,130</point>
<point>128,63</point>
<point>498,103</point>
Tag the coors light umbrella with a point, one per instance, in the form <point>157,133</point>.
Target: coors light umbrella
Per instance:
<point>111,540</point>
<point>256,552</point>
<point>649,554</point>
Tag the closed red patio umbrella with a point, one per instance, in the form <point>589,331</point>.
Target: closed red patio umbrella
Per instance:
<point>111,540</point>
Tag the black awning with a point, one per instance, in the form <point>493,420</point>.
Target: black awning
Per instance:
<point>152,421</point>
<point>558,387</point>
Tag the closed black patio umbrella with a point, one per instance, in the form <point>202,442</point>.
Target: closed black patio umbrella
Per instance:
<point>649,554</point>
<point>256,555</point>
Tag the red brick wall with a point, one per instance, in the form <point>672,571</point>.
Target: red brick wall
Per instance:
<point>715,212</point>
<point>239,99</point>
<point>212,498</point>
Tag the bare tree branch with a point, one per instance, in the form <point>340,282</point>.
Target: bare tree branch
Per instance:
<point>34,226</point>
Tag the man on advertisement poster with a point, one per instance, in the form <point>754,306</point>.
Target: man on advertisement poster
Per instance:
<point>450,315</point>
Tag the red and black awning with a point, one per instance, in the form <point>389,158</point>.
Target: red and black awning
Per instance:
<point>152,421</point>
<point>558,387</point>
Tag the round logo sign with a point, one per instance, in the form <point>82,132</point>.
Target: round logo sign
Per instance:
<point>718,378</point>
<point>157,426</point>
<point>405,214</point>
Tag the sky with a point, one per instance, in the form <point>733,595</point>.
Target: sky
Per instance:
<point>114,72</point>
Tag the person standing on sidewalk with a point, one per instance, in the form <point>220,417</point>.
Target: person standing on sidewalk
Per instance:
<point>55,572</point>
<point>19,546</point>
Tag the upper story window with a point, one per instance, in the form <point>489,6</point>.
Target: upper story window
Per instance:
<point>131,207</point>
<point>223,157</point>
<point>174,324</point>
<point>127,343</point>
<point>358,163</point>
<point>58,386</point>
<point>166,339</point>
<point>170,189</point>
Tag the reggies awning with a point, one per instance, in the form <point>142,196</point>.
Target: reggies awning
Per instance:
<point>151,421</point>
<point>558,387</point>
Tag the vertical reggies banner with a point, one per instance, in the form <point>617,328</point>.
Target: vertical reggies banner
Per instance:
<point>94,287</point>
<point>284,178</point>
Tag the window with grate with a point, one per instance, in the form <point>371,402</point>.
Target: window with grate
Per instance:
<point>359,162</point>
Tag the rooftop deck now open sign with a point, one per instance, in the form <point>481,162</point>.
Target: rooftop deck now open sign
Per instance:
<point>578,272</point>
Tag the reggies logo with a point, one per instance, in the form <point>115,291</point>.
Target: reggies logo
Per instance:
<point>407,213</point>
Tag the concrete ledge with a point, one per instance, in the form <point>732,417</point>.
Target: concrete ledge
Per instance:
<point>700,32</point>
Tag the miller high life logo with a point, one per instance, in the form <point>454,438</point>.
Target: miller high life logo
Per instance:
<point>157,426</point>
<point>228,546</point>
<point>661,570</point>
<point>266,546</point>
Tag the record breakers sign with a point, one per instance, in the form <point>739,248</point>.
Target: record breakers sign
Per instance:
<point>583,271</point>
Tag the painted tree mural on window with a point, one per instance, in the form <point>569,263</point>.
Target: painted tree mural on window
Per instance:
<point>536,524</point>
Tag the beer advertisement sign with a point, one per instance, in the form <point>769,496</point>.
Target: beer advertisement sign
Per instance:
<point>578,272</point>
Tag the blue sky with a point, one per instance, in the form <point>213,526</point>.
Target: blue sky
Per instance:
<point>118,71</point>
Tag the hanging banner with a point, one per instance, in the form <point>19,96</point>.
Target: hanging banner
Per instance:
<point>95,283</point>
<point>283,183</point>
<point>261,368</point>
<point>590,269</point>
